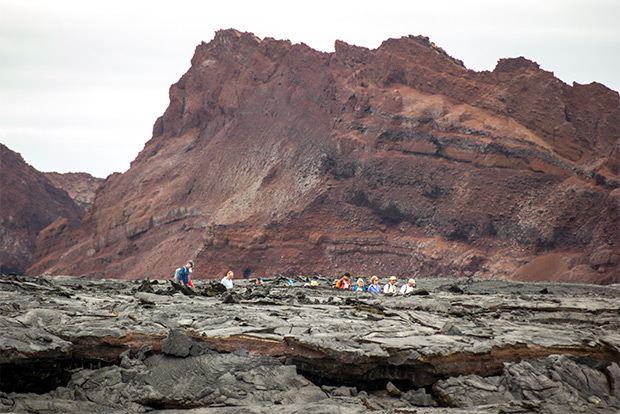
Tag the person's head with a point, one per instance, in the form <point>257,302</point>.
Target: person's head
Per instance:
<point>230,274</point>
<point>411,282</point>
<point>393,279</point>
<point>360,282</point>
<point>190,264</point>
<point>345,276</point>
<point>374,280</point>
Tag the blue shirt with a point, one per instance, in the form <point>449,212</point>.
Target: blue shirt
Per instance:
<point>373,288</point>
<point>184,276</point>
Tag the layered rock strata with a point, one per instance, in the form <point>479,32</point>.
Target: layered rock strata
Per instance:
<point>276,159</point>
<point>482,346</point>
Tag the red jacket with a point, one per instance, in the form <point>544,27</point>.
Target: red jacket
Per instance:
<point>344,284</point>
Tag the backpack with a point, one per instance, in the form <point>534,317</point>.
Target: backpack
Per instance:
<point>176,275</point>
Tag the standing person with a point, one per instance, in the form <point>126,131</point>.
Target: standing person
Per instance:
<point>408,287</point>
<point>390,287</point>
<point>360,285</point>
<point>227,280</point>
<point>374,285</point>
<point>181,275</point>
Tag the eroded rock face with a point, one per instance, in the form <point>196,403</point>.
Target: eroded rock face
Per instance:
<point>73,345</point>
<point>29,202</point>
<point>81,187</point>
<point>276,159</point>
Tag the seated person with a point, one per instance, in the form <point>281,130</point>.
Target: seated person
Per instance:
<point>344,283</point>
<point>408,288</point>
<point>390,287</point>
<point>374,285</point>
<point>227,280</point>
<point>360,285</point>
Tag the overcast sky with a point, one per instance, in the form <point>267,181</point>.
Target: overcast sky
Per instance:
<point>83,81</point>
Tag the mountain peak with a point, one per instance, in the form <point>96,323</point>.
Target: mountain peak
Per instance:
<point>276,159</point>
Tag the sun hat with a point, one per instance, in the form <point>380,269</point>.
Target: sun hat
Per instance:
<point>393,278</point>
<point>412,281</point>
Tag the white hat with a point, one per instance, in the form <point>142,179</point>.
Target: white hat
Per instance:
<point>412,281</point>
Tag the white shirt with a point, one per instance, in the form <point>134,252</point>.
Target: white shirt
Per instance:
<point>406,288</point>
<point>389,288</point>
<point>227,282</point>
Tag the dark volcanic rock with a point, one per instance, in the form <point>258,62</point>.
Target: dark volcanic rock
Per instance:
<point>177,344</point>
<point>29,202</point>
<point>276,159</point>
<point>548,385</point>
<point>74,345</point>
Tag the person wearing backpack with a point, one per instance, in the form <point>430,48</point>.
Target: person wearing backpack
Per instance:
<point>182,274</point>
<point>390,287</point>
<point>344,283</point>
<point>408,288</point>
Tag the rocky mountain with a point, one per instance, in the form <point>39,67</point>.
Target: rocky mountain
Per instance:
<point>481,346</point>
<point>29,202</point>
<point>276,159</point>
<point>81,187</point>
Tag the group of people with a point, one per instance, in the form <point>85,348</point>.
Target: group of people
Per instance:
<point>390,287</point>
<point>182,276</point>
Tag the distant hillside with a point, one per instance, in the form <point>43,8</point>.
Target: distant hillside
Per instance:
<point>29,202</point>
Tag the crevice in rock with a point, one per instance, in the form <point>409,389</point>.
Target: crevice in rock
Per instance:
<point>45,372</point>
<point>42,375</point>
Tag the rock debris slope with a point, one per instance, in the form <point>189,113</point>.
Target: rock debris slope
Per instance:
<point>277,159</point>
<point>75,345</point>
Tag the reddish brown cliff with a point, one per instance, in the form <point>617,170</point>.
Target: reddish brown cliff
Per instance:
<point>29,202</point>
<point>274,158</point>
<point>81,187</point>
